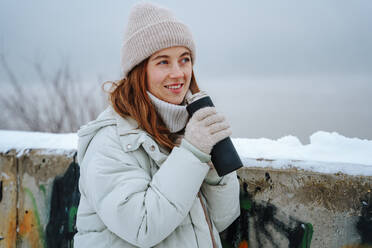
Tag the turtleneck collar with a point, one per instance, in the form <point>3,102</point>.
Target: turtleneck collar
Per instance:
<point>174,116</point>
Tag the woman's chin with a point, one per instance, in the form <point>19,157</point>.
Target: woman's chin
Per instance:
<point>175,99</point>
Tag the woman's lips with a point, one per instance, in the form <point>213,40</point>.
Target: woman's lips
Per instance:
<point>175,88</point>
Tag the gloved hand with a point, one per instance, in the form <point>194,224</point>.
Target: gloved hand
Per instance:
<point>206,128</point>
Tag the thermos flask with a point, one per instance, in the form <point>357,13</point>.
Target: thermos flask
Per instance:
<point>224,156</point>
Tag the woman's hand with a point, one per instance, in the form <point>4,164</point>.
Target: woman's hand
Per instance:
<point>206,128</point>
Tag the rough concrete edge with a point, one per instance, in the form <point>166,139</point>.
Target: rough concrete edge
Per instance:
<point>300,170</point>
<point>69,153</point>
<point>289,164</point>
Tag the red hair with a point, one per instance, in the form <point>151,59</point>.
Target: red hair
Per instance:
<point>128,97</point>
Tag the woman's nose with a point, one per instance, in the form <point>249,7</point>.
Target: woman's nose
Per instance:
<point>176,71</point>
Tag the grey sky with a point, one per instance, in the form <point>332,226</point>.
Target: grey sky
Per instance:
<point>256,38</point>
<point>273,67</point>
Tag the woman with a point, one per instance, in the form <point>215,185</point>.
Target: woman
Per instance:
<point>146,177</point>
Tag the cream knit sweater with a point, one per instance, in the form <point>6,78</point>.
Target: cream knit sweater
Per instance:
<point>175,117</point>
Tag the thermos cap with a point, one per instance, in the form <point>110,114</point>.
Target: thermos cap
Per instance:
<point>196,97</point>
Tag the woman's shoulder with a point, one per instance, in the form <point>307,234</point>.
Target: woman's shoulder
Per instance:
<point>109,129</point>
<point>109,117</point>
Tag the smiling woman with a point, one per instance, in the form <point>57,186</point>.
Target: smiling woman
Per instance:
<point>146,176</point>
<point>169,74</point>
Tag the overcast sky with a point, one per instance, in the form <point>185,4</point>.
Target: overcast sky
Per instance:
<point>234,38</point>
<point>273,67</point>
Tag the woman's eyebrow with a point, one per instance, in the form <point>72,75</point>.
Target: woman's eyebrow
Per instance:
<point>160,57</point>
<point>185,53</point>
<point>166,56</point>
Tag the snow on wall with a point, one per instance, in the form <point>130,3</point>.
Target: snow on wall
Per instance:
<point>326,153</point>
<point>21,141</point>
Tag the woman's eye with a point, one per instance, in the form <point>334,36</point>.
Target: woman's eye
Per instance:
<point>163,62</point>
<point>185,60</point>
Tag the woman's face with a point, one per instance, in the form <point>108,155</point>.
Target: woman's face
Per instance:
<point>169,74</point>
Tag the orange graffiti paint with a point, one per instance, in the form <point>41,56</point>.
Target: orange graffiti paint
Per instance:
<point>11,234</point>
<point>28,230</point>
<point>243,244</point>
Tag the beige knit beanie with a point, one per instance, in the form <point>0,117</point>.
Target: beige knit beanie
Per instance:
<point>152,28</point>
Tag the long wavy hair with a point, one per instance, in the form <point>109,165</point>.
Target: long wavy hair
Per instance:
<point>128,97</point>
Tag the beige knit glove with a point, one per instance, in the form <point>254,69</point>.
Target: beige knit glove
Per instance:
<point>206,128</point>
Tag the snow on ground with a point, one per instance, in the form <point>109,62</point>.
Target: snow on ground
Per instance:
<point>326,153</point>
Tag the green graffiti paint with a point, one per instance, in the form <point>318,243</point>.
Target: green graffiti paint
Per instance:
<point>308,234</point>
<point>245,203</point>
<point>42,189</point>
<point>36,212</point>
<point>71,218</point>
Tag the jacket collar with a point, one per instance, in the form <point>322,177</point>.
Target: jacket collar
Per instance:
<point>127,125</point>
<point>132,137</point>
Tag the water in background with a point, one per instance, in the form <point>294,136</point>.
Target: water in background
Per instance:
<point>273,108</point>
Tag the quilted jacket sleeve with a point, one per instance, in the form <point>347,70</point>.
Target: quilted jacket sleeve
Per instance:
<point>138,209</point>
<point>221,193</point>
<point>222,199</point>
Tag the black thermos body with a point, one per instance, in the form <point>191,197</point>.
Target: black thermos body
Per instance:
<point>224,156</point>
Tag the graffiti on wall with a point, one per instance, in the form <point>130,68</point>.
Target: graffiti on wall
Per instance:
<point>262,223</point>
<point>30,228</point>
<point>364,224</point>
<point>61,228</point>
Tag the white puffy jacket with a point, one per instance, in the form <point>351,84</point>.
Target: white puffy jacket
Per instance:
<point>135,194</point>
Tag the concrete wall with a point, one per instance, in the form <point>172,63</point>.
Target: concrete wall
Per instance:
<point>280,208</point>
<point>39,199</point>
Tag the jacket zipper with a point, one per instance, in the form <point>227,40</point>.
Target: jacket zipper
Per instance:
<point>208,221</point>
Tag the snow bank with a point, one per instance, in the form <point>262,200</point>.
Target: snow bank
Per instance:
<point>21,141</point>
<point>326,153</point>
<point>326,147</point>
